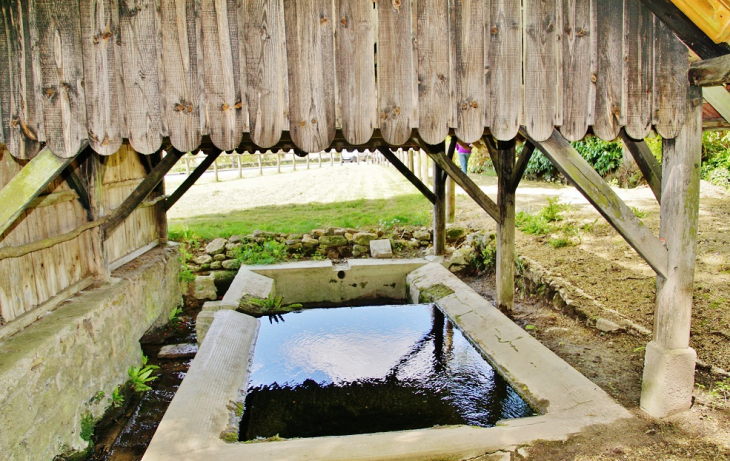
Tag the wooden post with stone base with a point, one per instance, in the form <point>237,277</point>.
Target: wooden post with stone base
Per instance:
<point>505,277</point>
<point>669,363</point>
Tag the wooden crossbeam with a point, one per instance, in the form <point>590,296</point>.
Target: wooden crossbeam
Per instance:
<point>603,198</point>
<point>521,165</point>
<point>25,186</point>
<point>686,30</point>
<point>149,183</point>
<point>461,179</point>
<point>710,72</point>
<point>403,169</point>
<point>192,177</point>
<point>646,162</point>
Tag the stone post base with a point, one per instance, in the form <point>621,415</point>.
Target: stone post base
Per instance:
<point>668,380</point>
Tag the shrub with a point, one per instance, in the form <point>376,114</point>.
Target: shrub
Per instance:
<point>268,252</point>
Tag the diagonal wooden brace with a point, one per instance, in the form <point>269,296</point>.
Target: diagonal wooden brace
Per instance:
<point>603,198</point>
<point>403,169</point>
<point>192,177</point>
<point>646,162</point>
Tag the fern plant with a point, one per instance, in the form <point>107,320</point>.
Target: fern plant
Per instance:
<point>140,376</point>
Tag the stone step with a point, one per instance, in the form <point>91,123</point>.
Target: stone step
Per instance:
<point>178,351</point>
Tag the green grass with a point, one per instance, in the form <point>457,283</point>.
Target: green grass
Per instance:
<point>412,209</point>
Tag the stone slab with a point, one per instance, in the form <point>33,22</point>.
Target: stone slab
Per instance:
<point>247,283</point>
<point>668,381</point>
<point>177,351</point>
<point>381,249</point>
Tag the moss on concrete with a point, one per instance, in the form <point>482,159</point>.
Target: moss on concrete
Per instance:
<point>434,293</point>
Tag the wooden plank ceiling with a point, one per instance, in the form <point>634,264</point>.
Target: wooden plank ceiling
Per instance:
<point>144,70</point>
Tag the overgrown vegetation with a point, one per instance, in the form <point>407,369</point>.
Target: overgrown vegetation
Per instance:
<point>87,426</point>
<point>267,252</point>
<point>549,221</point>
<point>716,158</point>
<point>140,376</point>
<point>411,210</point>
<point>604,156</point>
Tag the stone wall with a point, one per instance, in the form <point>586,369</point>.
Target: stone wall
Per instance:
<point>54,372</point>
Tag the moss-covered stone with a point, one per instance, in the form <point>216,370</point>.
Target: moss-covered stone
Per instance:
<point>434,293</point>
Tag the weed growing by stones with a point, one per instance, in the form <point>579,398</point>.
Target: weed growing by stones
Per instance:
<point>140,376</point>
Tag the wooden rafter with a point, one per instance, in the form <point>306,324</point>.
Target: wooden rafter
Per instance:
<point>646,162</point>
<point>521,165</point>
<point>25,186</point>
<point>603,198</point>
<point>710,72</point>
<point>149,183</point>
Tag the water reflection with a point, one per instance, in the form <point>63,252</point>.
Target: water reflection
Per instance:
<point>370,369</point>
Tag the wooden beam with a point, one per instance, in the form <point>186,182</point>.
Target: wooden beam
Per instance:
<point>75,182</point>
<point>646,162</point>
<point>450,200</point>
<point>603,198</point>
<point>492,149</point>
<point>30,181</point>
<point>686,30</point>
<point>462,180</point>
<point>392,158</point>
<point>505,276</point>
<point>710,72</point>
<point>194,176</point>
<point>521,165</point>
<point>140,193</point>
<point>91,171</point>
<point>719,98</point>
<point>439,206</point>
<point>20,250</point>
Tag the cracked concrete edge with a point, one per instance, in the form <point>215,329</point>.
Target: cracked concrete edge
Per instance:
<point>247,283</point>
<point>548,382</point>
<point>538,273</point>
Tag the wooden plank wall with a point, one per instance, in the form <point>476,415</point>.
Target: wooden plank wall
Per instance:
<point>189,68</point>
<point>32,279</point>
<point>124,172</point>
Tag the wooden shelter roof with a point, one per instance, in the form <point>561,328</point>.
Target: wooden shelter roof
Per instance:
<point>144,70</point>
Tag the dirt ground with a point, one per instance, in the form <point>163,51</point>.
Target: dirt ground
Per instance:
<point>600,272</point>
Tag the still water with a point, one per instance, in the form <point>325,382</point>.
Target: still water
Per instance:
<point>370,369</point>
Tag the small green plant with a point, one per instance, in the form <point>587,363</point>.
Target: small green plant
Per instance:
<point>98,397</point>
<point>117,397</point>
<point>485,258</point>
<point>274,303</point>
<point>530,327</point>
<point>639,349</point>
<point>560,242</point>
<point>186,275</point>
<point>721,389</point>
<point>387,226</point>
<point>553,211</point>
<point>638,212</point>
<point>268,252</point>
<point>532,224</point>
<point>140,376</point>
<point>87,426</point>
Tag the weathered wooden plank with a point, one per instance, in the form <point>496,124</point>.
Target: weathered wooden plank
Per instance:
<point>467,34</point>
<point>355,69</point>
<point>685,29</point>
<point>395,71</point>
<point>505,69</point>
<point>719,98</point>
<point>604,199</point>
<point>310,56</point>
<point>180,36</point>
<point>505,265</point>
<point>141,74</point>
<point>405,171</point>
<point>540,68</point>
<point>646,162</point>
<point>710,72</point>
<point>671,63</point>
<point>28,184</point>
<point>455,173</point>
<point>578,72</point>
<point>62,74</point>
<point>192,177</point>
<point>434,72</point>
<point>639,69</point>
<point>439,209</point>
<point>149,183</point>
<point>609,116</point>
<point>223,106</point>
<point>20,115</point>
<point>100,79</point>
<point>263,25</point>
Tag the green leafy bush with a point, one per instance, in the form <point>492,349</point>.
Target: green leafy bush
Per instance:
<point>605,156</point>
<point>268,252</point>
<point>716,157</point>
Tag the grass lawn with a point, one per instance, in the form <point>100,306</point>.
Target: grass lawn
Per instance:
<point>411,209</point>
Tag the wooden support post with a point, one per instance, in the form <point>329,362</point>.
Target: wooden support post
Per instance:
<point>294,161</point>
<point>215,169</point>
<point>319,159</point>
<point>409,176</point>
<point>278,162</point>
<point>308,160</point>
<point>148,184</point>
<point>192,178</point>
<point>30,181</point>
<point>603,198</point>
<point>424,167</point>
<point>261,167</point>
<point>332,158</point>
<point>410,159</point>
<point>455,173</point>
<point>505,277</point>
<point>646,162</point>
<point>91,172</point>
<point>187,164</point>
<point>450,200</point>
<point>150,162</point>
<point>240,167</point>
<point>439,210</point>
<point>669,362</point>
